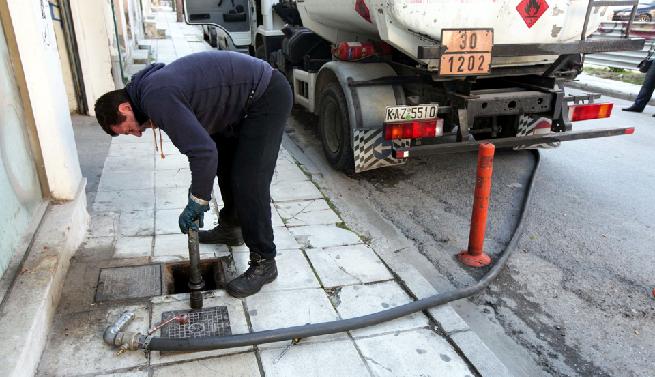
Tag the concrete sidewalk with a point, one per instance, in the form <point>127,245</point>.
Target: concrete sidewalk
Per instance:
<point>606,87</point>
<point>326,272</point>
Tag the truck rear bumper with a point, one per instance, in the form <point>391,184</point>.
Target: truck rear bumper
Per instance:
<point>523,141</point>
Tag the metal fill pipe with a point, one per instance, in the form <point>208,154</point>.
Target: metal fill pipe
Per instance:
<point>195,277</point>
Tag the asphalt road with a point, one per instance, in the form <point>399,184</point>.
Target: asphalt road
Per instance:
<point>576,297</point>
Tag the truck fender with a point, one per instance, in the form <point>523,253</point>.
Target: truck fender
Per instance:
<point>366,109</point>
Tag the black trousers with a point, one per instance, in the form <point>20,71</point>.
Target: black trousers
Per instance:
<point>246,159</point>
<point>647,88</point>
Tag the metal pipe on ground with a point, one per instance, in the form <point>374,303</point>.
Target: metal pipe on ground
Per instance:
<point>196,284</point>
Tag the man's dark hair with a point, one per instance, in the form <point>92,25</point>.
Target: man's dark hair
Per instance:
<point>106,109</point>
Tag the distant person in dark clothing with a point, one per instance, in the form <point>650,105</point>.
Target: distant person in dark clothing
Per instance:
<point>226,112</point>
<point>645,93</point>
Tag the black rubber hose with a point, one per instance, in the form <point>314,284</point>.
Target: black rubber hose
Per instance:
<point>305,331</point>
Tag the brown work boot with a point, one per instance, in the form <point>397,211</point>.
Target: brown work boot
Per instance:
<point>222,234</point>
<point>261,271</point>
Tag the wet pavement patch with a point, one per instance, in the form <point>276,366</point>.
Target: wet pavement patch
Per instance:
<point>120,283</point>
<point>213,321</point>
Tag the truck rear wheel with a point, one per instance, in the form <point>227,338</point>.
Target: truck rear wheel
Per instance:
<point>334,128</point>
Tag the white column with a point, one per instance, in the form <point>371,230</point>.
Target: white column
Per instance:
<point>37,48</point>
<point>267,14</point>
<point>147,8</point>
<point>93,47</point>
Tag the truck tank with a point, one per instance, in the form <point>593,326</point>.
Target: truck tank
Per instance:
<point>406,24</point>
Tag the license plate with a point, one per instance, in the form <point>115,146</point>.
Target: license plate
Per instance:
<point>466,52</point>
<point>395,114</point>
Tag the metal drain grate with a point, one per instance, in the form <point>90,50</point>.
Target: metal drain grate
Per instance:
<point>120,283</point>
<point>213,321</point>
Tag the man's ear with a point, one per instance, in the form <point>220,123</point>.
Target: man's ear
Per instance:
<point>125,108</point>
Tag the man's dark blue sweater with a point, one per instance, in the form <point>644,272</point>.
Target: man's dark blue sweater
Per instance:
<point>196,96</point>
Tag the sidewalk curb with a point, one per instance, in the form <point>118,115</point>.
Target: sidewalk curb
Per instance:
<point>31,303</point>
<point>453,327</point>
<point>609,92</point>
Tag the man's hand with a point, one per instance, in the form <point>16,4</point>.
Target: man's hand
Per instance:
<point>194,210</point>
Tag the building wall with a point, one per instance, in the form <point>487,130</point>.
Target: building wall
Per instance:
<point>63,54</point>
<point>46,94</point>
<point>93,43</point>
<point>20,191</point>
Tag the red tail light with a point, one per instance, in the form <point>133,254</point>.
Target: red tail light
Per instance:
<point>590,111</point>
<point>349,51</point>
<point>415,129</point>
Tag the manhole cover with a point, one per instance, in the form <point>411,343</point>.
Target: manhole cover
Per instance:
<point>205,322</point>
<point>120,283</point>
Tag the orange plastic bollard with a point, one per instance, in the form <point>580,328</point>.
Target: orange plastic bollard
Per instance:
<point>475,255</point>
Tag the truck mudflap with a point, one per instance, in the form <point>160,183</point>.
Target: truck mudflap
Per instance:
<point>372,151</point>
<point>535,125</point>
<point>529,141</point>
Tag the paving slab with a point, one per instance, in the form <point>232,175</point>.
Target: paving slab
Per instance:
<point>129,151</point>
<point>284,155</point>
<point>124,200</point>
<point>173,178</point>
<point>78,347</point>
<point>485,361</point>
<point>126,180</point>
<point>332,359</point>
<point>126,374</point>
<point>286,191</point>
<point>293,271</point>
<point>322,236</point>
<point>136,223</point>
<point>172,162</point>
<point>103,224</point>
<point>347,265</point>
<point>358,300</point>
<point>98,243</point>
<point>175,247</point>
<point>142,164</point>
<point>416,353</point>
<point>307,212</point>
<point>287,308</point>
<point>242,365</point>
<point>284,240</point>
<point>238,323</point>
<point>166,221</point>
<point>276,220</point>
<point>133,247</point>
<point>169,147</point>
<point>288,172</point>
<point>172,197</point>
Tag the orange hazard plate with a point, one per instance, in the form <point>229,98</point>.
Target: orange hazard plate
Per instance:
<point>466,52</point>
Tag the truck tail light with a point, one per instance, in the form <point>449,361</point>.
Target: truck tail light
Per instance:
<point>415,129</point>
<point>590,111</point>
<point>350,51</point>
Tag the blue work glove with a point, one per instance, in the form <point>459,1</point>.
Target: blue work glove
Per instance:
<point>194,210</point>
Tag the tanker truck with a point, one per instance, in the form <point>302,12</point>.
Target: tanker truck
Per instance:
<point>393,79</point>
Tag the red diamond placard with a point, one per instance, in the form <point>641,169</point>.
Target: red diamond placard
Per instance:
<point>531,10</point>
